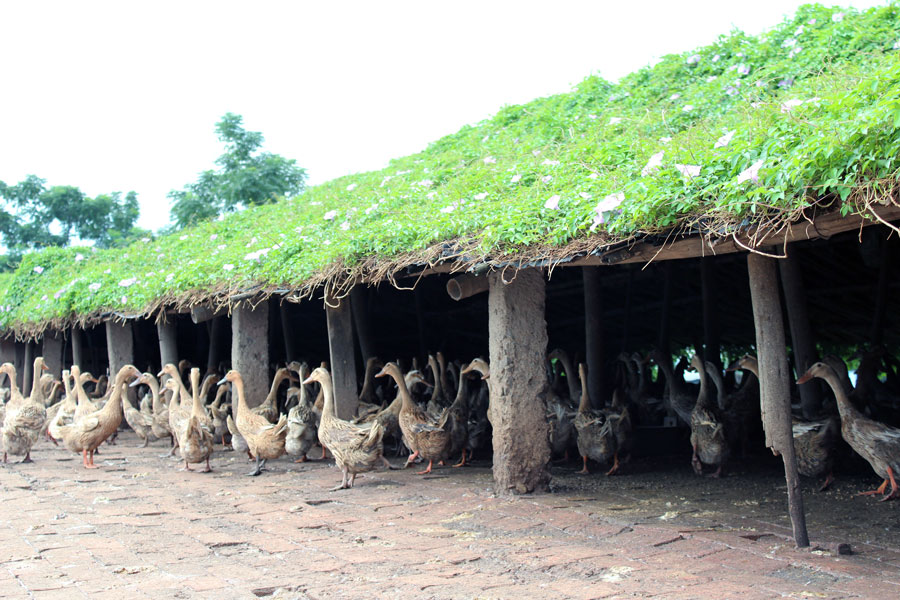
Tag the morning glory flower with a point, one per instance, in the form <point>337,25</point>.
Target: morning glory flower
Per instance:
<point>228,267</point>
<point>614,120</point>
<point>480,196</point>
<point>687,108</point>
<point>330,215</point>
<point>693,59</point>
<point>128,282</point>
<point>351,187</point>
<point>653,164</point>
<point>214,236</point>
<point>79,257</point>
<point>124,299</point>
<point>716,58</point>
<point>170,277</point>
<point>837,17</point>
<point>515,179</point>
<point>547,178</point>
<point>552,202</point>
<point>743,70</point>
<point>688,170</point>
<point>94,287</point>
<point>38,270</point>
<point>606,205</point>
<point>789,43</point>
<point>550,163</point>
<point>345,225</point>
<point>489,160</point>
<point>724,140</point>
<point>897,45</point>
<point>751,173</point>
<point>674,96</point>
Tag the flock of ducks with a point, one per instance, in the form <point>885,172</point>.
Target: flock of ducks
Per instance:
<point>444,416</point>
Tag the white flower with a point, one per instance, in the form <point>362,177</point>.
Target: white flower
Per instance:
<point>614,120</point>
<point>837,17</point>
<point>552,202</point>
<point>593,176</point>
<point>425,183</point>
<point>128,282</point>
<point>535,152</point>
<point>58,294</point>
<point>550,163</point>
<point>44,297</point>
<point>183,237</point>
<point>38,270</point>
<point>653,164</point>
<point>79,257</point>
<point>743,70</point>
<point>751,173</point>
<point>716,58</point>
<point>724,140</point>
<point>489,160</point>
<point>731,90</point>
<point>449,208</point>
<point>584,195</point>
<point>220,217</point>
<point>221,247</point>
<point>145,239</point>
<point>547,178</point>
<point>430,195</point>
<point>688,170</point>
<point>790,42</point>
<point>351,187</point>
<point>228,266</point>
<point>107,272</point>
<point>609,203</point>
<point>515,179</point>
<point>480,196</point>
<point>170,277</point>
<point>760,83</point>
<point>214,236</point>
<point>124,299</point>
<point>687,108</point>
<point>485,138</point>
<point>371,209</point>
<point>330,215</point>
<point>799,30</point>
<point>711,78</point>
<point>674,96</point>
<point>897,45</point>
<point>315,203</point>
<point>693,59</point>
<point>795,51</point>
<point>345,225</point>
<point>665,139</point>
<point>257,255</point>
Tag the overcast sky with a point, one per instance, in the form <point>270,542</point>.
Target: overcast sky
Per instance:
<point>118,96</point>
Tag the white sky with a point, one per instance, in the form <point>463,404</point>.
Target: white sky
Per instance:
<point>118,96</point>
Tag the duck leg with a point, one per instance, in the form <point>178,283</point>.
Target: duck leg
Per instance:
<point>426,471</point>
<point>324,453</point>
<point>695,462</point>
<point>388,464</point>
<point>84,460</point>
<point>186,466</point>
<point>462,461</point>
<point>718,472</point>
<point>583,471</point>
<point>259,468</point>
<point>615,467</point>
<point>411,458</point>
<point>27,458</point>
<point>879,490</point>
<point>208,468</point>
<point>344,482</point>
<point>828,481</point>
<point>146,441</point>
<point>302,459</point>
<point>895,491</point>
<point>4,457</point>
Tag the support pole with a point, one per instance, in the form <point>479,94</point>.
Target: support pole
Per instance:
<point>343,357</point>
<point>802,340</point>
<point>52,351</point>
<point>518,380</point>
<point>774,381</point>
<point>167,333</point>
<point>711,344</point>
<point>78,348</point>
<point>119,345</point>
<point>359,301</point>
<point>663,343</point>
<point>250,349</point>
<point>217,333</point>
<point>876,334</point>
<point>7,351</point>
<point>420,323</point>
<point>28,368</point>
<point>291,351</point>
<point>593,333</point>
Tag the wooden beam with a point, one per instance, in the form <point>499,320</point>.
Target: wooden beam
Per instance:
<point>343,356</point>
<point>774,381</point>
<point>593,333</point>
<point>802,341</point>
<point>465,286</point>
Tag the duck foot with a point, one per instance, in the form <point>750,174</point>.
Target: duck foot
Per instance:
<point>696,464</point>
<point>426,471</point>
<point>717,474</point>
<point>879,490</point>
<point>895,491</point>
<point>583,471</point>
<point>302,459</point>
<point>208,469</point>
<point>27,458</point>
<point>462,461</point>
<point>615,467</point>
<point>260,467</point>
<point>828,481</point>
<point>388,464</point>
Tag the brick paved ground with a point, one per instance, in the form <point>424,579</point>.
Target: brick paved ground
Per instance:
<point>139,528</point>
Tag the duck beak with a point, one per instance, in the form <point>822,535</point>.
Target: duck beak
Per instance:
<point>380,373</point>
<point>222,381</point>
<point>136,382</point>
<point>804,378</point>
<point>310,380</point>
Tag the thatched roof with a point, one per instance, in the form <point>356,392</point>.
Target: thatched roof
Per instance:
<point>729,143</point>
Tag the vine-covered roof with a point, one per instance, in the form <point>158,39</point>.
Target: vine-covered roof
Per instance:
<point>747,132</point>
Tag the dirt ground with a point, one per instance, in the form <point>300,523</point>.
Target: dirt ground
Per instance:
<point>140,528</point>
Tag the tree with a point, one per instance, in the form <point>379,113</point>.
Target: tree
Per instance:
<point>245,177</point>
<point>34,216</point>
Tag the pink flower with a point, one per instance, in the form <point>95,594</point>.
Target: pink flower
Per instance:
<point>653,164</point>
<point>552,202</point>
<point>751,173</point>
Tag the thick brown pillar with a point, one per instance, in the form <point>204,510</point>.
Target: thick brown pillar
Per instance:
<point>250,349</point>
<point>217,333</point>
<point>28,368</point>
<point>518,380</point>
<point>802,341</point>
<point>167,333</point>
<point>52,351</point>
<point>711,345</point>
<point>78,348</point>
<point>359,300</point>
<point>343,357</point>
<point>774,381</point>
<point>593,333</point>
<point>119,345</point>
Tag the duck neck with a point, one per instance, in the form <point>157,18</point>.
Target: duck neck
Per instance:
<point>402,390</point>
<point>113,406</point>
<point>36,395</point>
<point>327,396</point>
<point>703,396</point>
<point>585,404</point>
<point>845,408</point>
<point>720,386</point>
<point>241,400</point>
<point>569,373</point>
<point>154,393</point>
<point>436,372</point>
<point>462,394</point>
<point>368,381</point>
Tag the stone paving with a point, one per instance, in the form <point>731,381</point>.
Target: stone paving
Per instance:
<point>140,528</point>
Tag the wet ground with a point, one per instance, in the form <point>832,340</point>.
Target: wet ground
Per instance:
<point>140,528</point>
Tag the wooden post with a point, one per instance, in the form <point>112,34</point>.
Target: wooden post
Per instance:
<point>711,346</point>
<point>119,345</point>
<point>663,342</point>
<point>28,368</point>
<point>217,334</point>
<point>7,351</point>
<point>291,351</point>
<point>774,381</point>
<point>420,324</point>
<point>250,349</point>
<point>52,351</point>
<point>343,357</point>
<point>518,380</point>
<point>593,333</point>
<point>876,334</point>
<point>801,334</point>
<point>359,302</point>
<point>167,333</point>
<point>78,348</point>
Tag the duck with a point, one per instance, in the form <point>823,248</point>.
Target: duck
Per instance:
<point>459,421</point>
<point>389,417</point>
<point>596,439</point>
<point>425,436</point>
<point>572,399</point>
<point>194,438</point>
<point>814,442</point>
<point>367,396</point>
<point>447,377</point>
<point>265,440</point>
<point>159,424</point>
<point>356,448</point>
<point>23,422</point>
<point>141,424</point>
<point>739,409</point>
<point>269,407</point>
<point>679,398</point>
<point>303,430</point>
<point>238,443</point>
<point>708,441</point>
<point>219,414</point>
<point>435,404</point>
<point>876,442</point>
<point>87,433</point>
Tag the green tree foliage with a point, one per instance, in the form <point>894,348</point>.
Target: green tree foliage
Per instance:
<point>245,177</point>
<point>34,216</point>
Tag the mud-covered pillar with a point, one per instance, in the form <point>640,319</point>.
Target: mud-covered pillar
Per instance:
<point>359,300</point>
<point>167,334</point>
<point>119,345</point>
<point>78,356</point>
<point>518,380</point>
<point>7,351</point>
<point>593,333</point>
<point>52,351</point>
<point>217,333</point>
<point>250,349</point>
<point>774,380</point>
<point>28,368</point>
<point>802,340</point>
<point>343,356</point>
